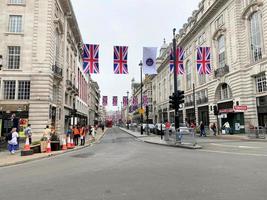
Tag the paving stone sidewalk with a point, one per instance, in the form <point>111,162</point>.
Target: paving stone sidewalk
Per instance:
<point>6,159</point>
<point>156,139</point>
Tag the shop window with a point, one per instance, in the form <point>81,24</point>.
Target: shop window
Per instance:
<point>9,89</point>
<point>261,83</point>
<point>24,90</point>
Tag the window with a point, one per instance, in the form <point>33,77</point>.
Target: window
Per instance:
<point>188,75</point>
<point>225,92</point>
<point>261,83</point>
<point>24,90</point>
<point>13,57</point>
<point>221,51</point>
<point>201,79</point>
<point>255,32</point>
<point>9,89</point>
<point>16,1</point>
<point>15,24</point>
<point>57,47</point>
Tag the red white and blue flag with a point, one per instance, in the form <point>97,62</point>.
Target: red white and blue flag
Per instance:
<point>120,60</point>
<point>125,101</point>
<point>203,60</point>
<point>90,58</point>
<point>145,100</point>
<point>115,101</point>
<point>135,101</point>
<point>105,101</point>
<point>179,61</point>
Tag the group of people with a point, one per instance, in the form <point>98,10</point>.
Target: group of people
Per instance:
<point>201,127</point>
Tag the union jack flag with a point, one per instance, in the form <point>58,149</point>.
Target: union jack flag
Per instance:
<point>105,101</point>
<point>90,58</point>
<point>120,60</point>
<point>125,101</point>
<point>135,101</point>
<point>203,60</point>
<point>115,101</point>
<point>145,100</point>
<point>179,61</point>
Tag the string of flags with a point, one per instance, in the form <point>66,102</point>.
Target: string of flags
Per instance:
<point>120,59</point>
<point>125,102</point>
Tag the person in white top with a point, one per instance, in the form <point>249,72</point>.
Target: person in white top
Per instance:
<point>14,141</point>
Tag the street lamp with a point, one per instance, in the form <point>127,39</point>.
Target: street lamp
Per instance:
<point>127,110</point>
<point>141,110</point>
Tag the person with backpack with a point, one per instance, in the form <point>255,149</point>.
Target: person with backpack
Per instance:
<point>12,139</point>
<point>28,133</point>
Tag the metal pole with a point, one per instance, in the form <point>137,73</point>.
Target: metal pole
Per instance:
<point>127,120</point>
<point>194,101</point>
<point>176,112</point>
<point>141,74</point>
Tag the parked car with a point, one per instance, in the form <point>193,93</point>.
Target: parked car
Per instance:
<point>149,126</point>
<point>157,128</point>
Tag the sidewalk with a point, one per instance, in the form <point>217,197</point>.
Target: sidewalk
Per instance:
<point>156,139</point>
<point>6,159</point>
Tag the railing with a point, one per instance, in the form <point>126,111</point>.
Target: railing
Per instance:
<point>57,70</point>
<point>220,72</point>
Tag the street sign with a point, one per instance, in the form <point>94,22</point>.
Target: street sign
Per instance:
<point>141,111</point>
<point>242,108</point>
<point>222,116</point>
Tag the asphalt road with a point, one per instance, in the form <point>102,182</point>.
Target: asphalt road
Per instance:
<point>120,168</point>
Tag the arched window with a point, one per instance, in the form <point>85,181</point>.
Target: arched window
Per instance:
<point>256,37</point>
<point>188,75</point>
<point>221,51</point>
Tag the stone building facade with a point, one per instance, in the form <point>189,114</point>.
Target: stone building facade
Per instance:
<point>40,43</point>
<point>236,31</point>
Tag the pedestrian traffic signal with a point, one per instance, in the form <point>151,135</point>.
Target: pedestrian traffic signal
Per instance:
<point>180,97</point>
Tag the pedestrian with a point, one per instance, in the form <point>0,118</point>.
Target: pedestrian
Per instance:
<point>13,140</point>
<point>47,132</point>
<point>103,127</point>
<point>93,132</point>
<point>213,128</point>
<point>28,133</point>
<point>192,125</point>
<point>76,133</point>
<point>82,134</point>
<point>167,130</point>
<point>202,129</point>
<point>227,127</point>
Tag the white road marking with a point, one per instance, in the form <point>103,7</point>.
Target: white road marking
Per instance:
<point>234,146</point>
<point>234,153</point>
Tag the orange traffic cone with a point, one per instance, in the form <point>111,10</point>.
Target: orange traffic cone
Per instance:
<point>27,144</point>
<point>64,146</point>
<point>72,143</point>
<point>48,149</point>
<point>68,143</point>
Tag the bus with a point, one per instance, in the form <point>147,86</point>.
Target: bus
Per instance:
<point>109,123</point>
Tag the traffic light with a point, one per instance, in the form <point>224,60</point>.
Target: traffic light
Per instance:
<point>173,101</point>
<point>215,110</point>
<point>180,97</point>
<point>147,110</point>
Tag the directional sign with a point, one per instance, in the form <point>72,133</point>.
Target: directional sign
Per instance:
<point>241,108</point>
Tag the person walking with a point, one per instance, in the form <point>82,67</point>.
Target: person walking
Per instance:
<point>28,133</point>
<point>47,132</point>
<point>103,127</point>
<point>202,129</point>
<point>76,133</point>
<point>82,134</point>
<point>213,128</point>
<point>93,132</point>
<point>13,140</point>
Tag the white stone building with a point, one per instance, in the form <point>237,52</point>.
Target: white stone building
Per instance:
<point>236,31</point>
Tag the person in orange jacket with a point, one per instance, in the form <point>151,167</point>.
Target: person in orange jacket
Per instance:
<point>82,134</point>
<point>76,134</point>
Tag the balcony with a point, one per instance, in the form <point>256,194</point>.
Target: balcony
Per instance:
<point>188,104</point>
<point>57,71</point>
<point>220,72</point>
<point>202,101</point>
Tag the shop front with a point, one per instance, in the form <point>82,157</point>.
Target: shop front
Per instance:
<point>190,115</point>
<point>233,117</point>
<point>262,110</point>
<point>203,115</point>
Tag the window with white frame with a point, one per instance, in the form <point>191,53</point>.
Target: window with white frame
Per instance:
<point>221,51</point>
<point>9,90</point>
<point>188,75</point>
<point>15,24</point>
<point>256,37</point>
<point>13,57</point>
<point>261,83</point>
<point>225,92</point>
<point>24,90</point>
<point>16,2</point>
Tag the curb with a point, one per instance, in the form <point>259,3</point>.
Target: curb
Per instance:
<point>170,145</point>
<point>53,155</point>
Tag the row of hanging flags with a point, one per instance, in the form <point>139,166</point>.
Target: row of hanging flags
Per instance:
<point>124,101</point>
<point>120,58</point>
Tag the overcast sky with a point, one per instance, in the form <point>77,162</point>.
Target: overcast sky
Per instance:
<point>132,23</point>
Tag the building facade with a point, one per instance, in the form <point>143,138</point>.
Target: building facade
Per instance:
<point>94,104</point>
<point>236,32</point>
<point>40,81</point>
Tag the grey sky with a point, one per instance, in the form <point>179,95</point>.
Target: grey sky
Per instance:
<point>133,23</point>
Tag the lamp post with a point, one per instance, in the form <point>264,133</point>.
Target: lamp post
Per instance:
<point>141,114</point>
<point>176,112</point>
<point>127,120</point>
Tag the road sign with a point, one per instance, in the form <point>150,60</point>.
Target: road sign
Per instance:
<point>242,108</point>
<point>141,111</point>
